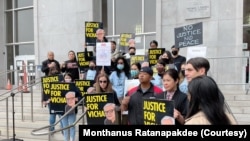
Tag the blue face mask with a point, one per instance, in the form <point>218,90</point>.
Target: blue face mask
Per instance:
<point>120,66</point>
<point>134,73</point>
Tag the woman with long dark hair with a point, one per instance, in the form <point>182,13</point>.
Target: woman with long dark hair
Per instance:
<point>119,75</point>
<point>71,66</point>
<point>206,104</point>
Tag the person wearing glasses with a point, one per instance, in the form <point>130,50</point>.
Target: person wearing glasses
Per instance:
<point>110,114</point>
<point>103,85</point>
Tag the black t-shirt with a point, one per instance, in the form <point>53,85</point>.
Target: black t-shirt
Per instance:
<point>178,61</point>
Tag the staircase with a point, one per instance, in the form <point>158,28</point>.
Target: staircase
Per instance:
<point>24,124</point>
<point>239,103</point>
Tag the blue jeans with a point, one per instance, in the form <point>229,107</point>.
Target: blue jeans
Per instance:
<point>66,121</point>
<point>52,120</point>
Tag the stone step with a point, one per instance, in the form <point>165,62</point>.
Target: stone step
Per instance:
<point>25,134</point>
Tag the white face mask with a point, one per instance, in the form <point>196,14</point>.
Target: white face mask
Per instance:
<point>67,80</point>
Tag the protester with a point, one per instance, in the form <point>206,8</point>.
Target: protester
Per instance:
<point>197,66</point>
<point>172,92</point>
<point>71,66</point>
<point>119,75</point>
<point>103,85</point>
<point>91,72</point>
<point>132,102</point>
<point>178,59</point>
<point>134,70</point>
<point>153,44</point>
<point>72,97</point>
<point>183,80</point>
<point>206,106</point>
<point>160,70</point>
<point>48,65</point>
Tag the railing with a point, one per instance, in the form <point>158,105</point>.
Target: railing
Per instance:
<point>12,93</point>
<point>221,68</point>
<point>36,132</point>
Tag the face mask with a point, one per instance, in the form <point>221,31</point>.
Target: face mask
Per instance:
<point>92,67</point>
<point>132,53</point>
<point>120,66</point>
<point>165,60</point>
<point>134,73</point>
<point>160,70</point>
<point>67,80</point>
<point>183,72</point>
<point>174,52</point>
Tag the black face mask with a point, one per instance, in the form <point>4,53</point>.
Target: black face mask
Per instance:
<point>91,67</point>
<point>165,60</point>
<point>183,72</point>
<point>132,53</point>
<point>174,52</point>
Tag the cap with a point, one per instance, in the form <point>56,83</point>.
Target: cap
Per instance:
<point>147,70</point>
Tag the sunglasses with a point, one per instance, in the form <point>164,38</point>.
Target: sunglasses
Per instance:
<point>102,81</point>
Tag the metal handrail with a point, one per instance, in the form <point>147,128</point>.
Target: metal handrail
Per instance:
<point>12,94</point>
<point>232,57</point>
<point>36,133</point>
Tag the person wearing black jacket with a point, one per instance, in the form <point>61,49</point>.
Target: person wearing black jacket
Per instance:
<point>170,83</point>
<point>71,66</point>
<point>49,64</point>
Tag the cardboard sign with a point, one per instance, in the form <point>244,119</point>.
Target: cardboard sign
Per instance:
<point>57,96</point>
<point>83,85</point>
<point>103,54</point>
<point>154,54</point>
<point>198,51</point>
<point>136,59</point>
<point>130,84</point>
<point>95,103</point>
<point>189,35</point>
<point>154,110</point>
<point>126,40</point>
<point>83,64</point>
<point>46,80</point>
<point>90,32</point>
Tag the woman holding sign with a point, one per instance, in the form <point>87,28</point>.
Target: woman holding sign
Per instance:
<point>72,97</point>
<point>104,85</point>
<point>172,92</point>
